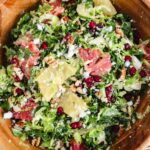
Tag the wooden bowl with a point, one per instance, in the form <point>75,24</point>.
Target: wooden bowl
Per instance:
<point>138,137</point>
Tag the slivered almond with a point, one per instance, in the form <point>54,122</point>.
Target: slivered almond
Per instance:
<point>73,88</point>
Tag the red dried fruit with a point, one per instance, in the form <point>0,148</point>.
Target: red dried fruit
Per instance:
<point>143,73</point>
<point>128,58</point>
<point>109,92</point>
<point>92,25</point>
<point>60,111</point>
<point>132,71</point>
<point>127,46</point>
<point>79,124</point>
<point>77,146</point>
<point>44,45</point>
<point>89,82</point>
<point>73,125</point>
<point>67,37</point>
<point>15,61</point>
<point>17,79</point>
<point>97,78</point>
<point>19,91</point>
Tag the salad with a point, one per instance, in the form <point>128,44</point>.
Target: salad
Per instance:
<point>74,75</point>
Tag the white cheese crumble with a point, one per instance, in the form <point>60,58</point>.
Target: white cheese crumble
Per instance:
<point>137,64</point>
<point>113,63</point>
<point>36,41</point>
<point>40,27</point>
<point>109,29</point>
<point>127,64</point>
<point>130,103</point>
<point>86,74</point>
<point>8,115</point>
<point>60,91</point>
<point>84,113</point>
<point>84,90</point>
<point>71,51</point>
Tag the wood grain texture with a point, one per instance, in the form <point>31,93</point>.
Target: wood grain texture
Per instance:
<point>136,138</point>
<point>147,2</point>
<point>139,12</point>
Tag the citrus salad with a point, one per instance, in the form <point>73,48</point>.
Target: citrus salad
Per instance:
<point>74,75</point>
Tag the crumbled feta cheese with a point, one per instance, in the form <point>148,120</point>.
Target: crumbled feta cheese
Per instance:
<point>127,64</point>
<point>84,90</point>
<point>137,64</point>
<point>109,29</point>
<point>60,91</point>
<point>8,115</point>
<point>83,114</point>
<point>40,27</point>
<point>113,63</point>
<point>86,74</point>
<point>36,41</point>
<point>130,103</point>
<point>71,51</point>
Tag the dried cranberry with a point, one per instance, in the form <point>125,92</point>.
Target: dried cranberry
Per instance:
<point>79,125</point>
<point>127,46</point>
<point>60,111</point>
<point>73,125</point>
<point>143,73</point>
<point>17,79</point>
<point>68,36</point>
<point>89,82</point>
<point>15,61</point>
<point>96,78</point>
<point>109,92</point>
<point>128,58</point>
<point>92,25</point>
<point>128,96</point>
<point>77,146</point>
<point>44,45</point>
<point>132,71</point>
<point>19,91</point>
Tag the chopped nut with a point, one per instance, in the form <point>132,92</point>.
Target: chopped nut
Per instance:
<point>98,94</point>
<point>71,40</point>
<point>73,88</point>
<point>65,19</point>
<point>36,142</point>
<point>50,60</point>
<point>80,90</point>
